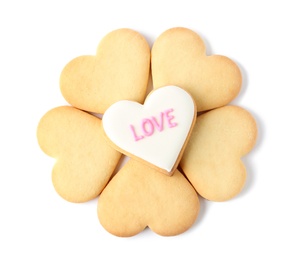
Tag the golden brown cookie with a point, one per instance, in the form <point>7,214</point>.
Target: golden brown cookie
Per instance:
<point>139,196</point>
<point>120,70</point>
<point>212,159</point>
<point>179,58</point>
<point>84,162</point>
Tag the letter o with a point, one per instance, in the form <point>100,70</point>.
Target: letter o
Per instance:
<point>148,127</point>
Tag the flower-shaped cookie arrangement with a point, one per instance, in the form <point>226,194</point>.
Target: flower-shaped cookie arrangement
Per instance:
<point>139,195</point>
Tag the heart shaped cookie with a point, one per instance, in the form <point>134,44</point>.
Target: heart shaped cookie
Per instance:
<point>84,162</point>
<point>179,58</point>
<point>139,196</point>
<point>120,70</point>
<point>155,132</point>
<point>212,159</point>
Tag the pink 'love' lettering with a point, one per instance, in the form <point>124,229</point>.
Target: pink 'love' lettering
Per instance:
<point>148,125</point>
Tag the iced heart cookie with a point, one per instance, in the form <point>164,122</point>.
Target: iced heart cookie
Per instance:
<point>139,196</point>
<point>179,58</point>
<point>156,132</point>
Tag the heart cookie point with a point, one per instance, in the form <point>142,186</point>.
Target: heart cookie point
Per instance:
<point>156,132</point>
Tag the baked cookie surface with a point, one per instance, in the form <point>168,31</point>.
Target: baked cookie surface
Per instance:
<point>139,196</point>
<point>84,163</point>
<point>179,58</point>
<point>212,160</point>
<point>119,70</point>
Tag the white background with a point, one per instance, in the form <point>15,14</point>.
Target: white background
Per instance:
<point>37,38</point>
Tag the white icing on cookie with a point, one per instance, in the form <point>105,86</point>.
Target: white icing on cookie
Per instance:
<point>156,131</point>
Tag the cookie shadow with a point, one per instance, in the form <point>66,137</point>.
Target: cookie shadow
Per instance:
<point>244,84</point>
<point>250,166</point>
<point>248,160</point>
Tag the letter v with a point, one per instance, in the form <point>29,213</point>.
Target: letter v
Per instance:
<point>159,125</point>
